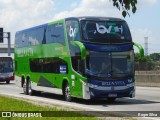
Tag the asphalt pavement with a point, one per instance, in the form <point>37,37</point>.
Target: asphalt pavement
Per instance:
<point>147,100</point>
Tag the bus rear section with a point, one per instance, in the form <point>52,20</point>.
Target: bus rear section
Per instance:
<point>6,69</point>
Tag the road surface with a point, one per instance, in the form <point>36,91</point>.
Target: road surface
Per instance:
<point>147,99</point>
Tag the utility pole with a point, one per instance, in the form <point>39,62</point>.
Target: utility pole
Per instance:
<point>1,35</point>
<point>8,36</point>
<point>146,45</point>
<point>9,43</point>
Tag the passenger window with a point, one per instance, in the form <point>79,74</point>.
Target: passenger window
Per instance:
<point>49,65</point>
<point>30,37</point>
<point>55,34</point>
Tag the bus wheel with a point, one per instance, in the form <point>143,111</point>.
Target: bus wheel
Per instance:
<point>25,88</point>
<point>110,100</point>
<point>67,93</point>
<point>30,91</point>
<point>8,81</point>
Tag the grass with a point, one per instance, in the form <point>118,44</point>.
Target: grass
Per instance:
<point>12,104</point>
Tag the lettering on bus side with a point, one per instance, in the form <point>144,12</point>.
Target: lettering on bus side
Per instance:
<point>113,83</point>
<point>25,52</point>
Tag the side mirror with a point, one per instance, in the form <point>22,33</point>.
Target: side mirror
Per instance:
<point>82,48</point>
<point>141,50</point>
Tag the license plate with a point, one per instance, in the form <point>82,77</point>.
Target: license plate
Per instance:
<point>112,95</point>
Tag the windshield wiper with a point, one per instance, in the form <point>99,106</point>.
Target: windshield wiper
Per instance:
<point>109,74</point>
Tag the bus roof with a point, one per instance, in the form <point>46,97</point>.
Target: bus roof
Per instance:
<point>96,18</point>
<point>43,25</point>
<point>78,18</point>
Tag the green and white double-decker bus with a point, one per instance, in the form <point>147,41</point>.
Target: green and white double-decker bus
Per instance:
<point>83,57</point>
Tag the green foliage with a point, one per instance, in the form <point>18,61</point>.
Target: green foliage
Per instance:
<point>150,62</point>
<point>137,58</point>
<point>155,56</point>
<point>125,6</point>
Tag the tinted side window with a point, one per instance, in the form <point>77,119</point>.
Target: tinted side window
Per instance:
<point>30,37</point>
<point>54,65</point>
<point>18,40</point>
<point>49,65</point>
<point>55,34</point>
<point>73,33</point>
<point>35,37</point>
<point>36,65</point>
<point>21,39</point>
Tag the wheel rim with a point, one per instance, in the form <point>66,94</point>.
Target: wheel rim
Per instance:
<point>24,87</point>
<point>67,93</point>
<point>29,88</point>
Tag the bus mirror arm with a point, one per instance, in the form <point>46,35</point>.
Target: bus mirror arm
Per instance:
<point>82,48</point>
<point>141,50</point>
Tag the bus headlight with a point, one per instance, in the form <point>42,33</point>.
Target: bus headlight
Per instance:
<point>89,84</point>
<point>92,85</point>
<point>130,85</point>
<point>130,80</point>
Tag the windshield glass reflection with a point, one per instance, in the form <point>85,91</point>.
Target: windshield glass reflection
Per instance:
<point>109,65</point>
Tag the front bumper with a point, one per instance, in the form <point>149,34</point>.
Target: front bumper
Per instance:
<point>94,91</point>
<point>126,92</point>
<point>3,79</point>
<point>6,77</point>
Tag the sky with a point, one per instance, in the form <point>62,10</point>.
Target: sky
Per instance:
<point>17,15</point>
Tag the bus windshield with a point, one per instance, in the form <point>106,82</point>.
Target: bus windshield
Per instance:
<point>6,65</point>
<point>108,65</point>
<point>105,32</point>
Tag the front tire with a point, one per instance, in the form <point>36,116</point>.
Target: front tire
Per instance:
<point>67,93</point>
<point>25,88</point>
<point>30,90</point>
<point>8,81</point>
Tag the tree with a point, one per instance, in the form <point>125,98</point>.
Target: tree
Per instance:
<point>145,63</point>
<point>125,6</point>
<point>155,56</point>
<point>137,58</point>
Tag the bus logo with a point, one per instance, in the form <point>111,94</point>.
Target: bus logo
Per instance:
<point>72,31</point>
<point>102,29</point>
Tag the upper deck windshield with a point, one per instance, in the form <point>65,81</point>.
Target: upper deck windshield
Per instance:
<point>6,65</point>
<point>105,32</point>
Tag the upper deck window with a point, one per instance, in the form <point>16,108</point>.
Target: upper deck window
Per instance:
<point>55,34</point>
<point>30,37</point>
<point>108,32</point>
